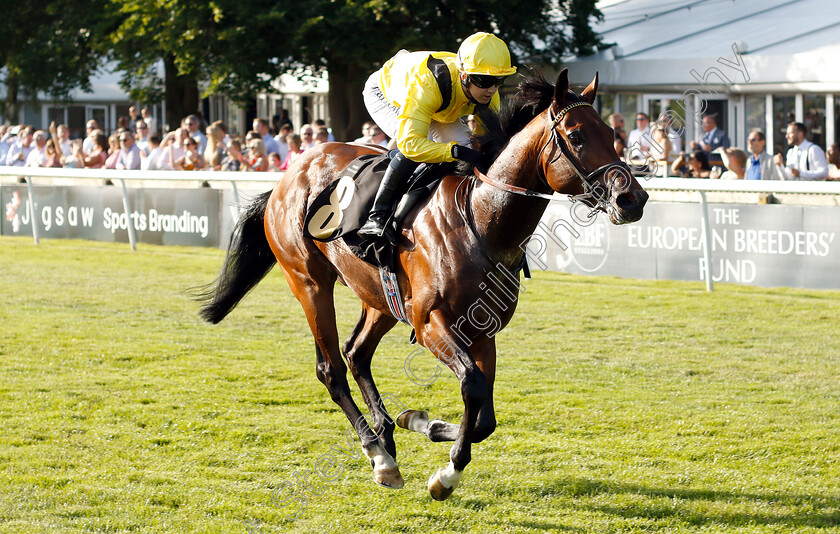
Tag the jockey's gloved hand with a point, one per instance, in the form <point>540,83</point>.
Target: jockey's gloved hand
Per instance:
<point>469,155</point>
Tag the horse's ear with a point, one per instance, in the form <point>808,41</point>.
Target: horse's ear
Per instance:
<point>591,90</point>
<point>561,87</point>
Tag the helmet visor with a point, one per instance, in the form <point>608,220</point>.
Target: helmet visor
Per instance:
<point>485,81</point>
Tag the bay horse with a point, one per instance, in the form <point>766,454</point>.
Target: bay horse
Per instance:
<point>462,238</point>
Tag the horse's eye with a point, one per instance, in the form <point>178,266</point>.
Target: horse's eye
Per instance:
<point>576,138</point>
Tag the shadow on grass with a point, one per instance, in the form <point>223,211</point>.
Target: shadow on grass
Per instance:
<point>791,510</point>
<point>480,505</point>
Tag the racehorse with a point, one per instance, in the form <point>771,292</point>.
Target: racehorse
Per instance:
<point>465,240</point>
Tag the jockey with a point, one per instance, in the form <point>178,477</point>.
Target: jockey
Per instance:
<point>418,98</point>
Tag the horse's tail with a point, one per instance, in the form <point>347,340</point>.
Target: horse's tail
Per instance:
<point>249,258</point>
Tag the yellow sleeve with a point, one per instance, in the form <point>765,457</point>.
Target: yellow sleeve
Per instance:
<point>415,119</point>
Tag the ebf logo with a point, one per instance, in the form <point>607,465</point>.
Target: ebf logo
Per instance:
<point>563,238</point>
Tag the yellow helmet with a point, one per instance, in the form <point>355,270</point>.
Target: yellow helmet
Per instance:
<point>484,53</point>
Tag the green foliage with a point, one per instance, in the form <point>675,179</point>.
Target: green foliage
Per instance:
<point>622,406</point>
<point>237,48</point>
<point>229,46</point>
<point>49,47</point>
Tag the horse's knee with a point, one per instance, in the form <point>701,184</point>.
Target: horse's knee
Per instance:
<point>483,430</point>
<point>474,389</point>
<point>321,372</point>
<point>333,379</point>
<point>359,366</point>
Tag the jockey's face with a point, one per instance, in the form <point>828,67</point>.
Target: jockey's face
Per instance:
<point>482,96</point>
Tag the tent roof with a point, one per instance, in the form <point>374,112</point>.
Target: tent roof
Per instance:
<point>782,43</point>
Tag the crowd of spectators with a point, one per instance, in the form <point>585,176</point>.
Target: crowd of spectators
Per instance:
<point>196,146</point>
<point>192,146</point>
<point>712,155</point>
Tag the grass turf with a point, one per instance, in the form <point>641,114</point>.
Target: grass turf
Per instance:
<point>622,406</point>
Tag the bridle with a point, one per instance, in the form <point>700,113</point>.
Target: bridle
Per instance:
<point>600,201</point>
<point>590,191</point>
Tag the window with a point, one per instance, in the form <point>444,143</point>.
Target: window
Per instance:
<point>814,118</point>
<point>784,112</point>
<point>607,106</point>
<point>627,105</point>
<point>755,111</point>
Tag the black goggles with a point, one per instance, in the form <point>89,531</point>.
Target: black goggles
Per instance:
<point>485,81</point>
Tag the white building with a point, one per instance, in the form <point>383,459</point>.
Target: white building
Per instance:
<point>756,63</point>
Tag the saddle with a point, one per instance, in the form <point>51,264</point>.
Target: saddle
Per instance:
<point>343,206</point>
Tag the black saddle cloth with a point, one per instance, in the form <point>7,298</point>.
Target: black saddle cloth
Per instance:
<point>343,206</point>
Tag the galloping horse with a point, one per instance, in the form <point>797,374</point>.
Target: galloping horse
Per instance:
<point>464,237</point>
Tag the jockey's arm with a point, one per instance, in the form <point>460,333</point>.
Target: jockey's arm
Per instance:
<point>414,122</point>
<point>413,142</point>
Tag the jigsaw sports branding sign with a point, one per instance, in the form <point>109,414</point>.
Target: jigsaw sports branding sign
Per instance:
<point>159,216</point>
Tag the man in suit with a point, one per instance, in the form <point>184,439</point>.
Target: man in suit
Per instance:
<point>714,137</point>
<point>759,162</point>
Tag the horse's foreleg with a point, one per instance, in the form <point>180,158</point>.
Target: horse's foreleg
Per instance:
<point>476,392</point>
<point>358,350</point>
<point>437,430</point>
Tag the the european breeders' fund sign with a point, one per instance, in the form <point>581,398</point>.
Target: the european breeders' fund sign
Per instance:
<point>765,245</point>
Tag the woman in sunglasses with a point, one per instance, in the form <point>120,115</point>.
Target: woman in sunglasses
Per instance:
<point>419,99</point>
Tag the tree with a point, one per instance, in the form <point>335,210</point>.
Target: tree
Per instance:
<point>220,45</point>
<point>46,50</point>
<point>352,39</point>
<point>237,48</point>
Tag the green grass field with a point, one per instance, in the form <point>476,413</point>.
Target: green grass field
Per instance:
<point>623,406</point>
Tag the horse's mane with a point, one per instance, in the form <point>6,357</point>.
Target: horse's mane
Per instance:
<point>534,95</point>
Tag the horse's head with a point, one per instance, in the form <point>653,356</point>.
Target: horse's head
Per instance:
<point>579,157</point>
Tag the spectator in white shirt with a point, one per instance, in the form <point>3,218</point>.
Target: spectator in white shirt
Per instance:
<point>20,148</point>
<point>365,138</point>
<point>63,133</point>
<point>172,149</point>
<point>193,125</point>
<point>129,157</point>
<point>142,136</point>
<point>638,140</point>
<point>38,155</point>
<point>804,160</point>
<point>90,128</point>
<point>4,142</point>
<point>150,162</point>
<point>150,121</point>
<point>307,136</point>
<point>285,130</point>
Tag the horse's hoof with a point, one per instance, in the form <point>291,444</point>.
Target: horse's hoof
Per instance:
<point>404,418</point>
<point>438,491</point>
<point>389,477</point>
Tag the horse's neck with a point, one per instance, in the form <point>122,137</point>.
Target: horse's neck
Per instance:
<point>505,221</point>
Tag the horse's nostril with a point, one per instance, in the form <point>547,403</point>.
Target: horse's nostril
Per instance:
<point>631,201</point>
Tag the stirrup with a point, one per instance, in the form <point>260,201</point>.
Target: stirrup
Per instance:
<point>372,229</point>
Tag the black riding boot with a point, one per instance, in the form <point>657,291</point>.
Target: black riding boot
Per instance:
<point>390,189</point>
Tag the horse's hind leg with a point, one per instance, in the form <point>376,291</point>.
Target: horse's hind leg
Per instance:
<point>316,296</point>
<point>359,349</point>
